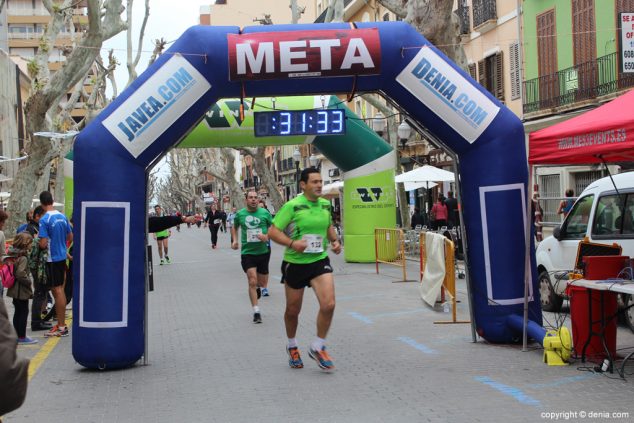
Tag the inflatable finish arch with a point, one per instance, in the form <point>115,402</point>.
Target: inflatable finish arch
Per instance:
<point>113,155</point>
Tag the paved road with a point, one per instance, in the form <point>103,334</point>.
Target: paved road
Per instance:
<point>208,362</point>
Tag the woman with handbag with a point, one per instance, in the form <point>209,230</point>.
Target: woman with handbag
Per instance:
<point>439,214</point>
<point>22,289</point>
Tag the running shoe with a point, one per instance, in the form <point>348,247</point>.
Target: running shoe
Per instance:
<point>294,359</point>
<point>258,292</point>
<point>26,341</point>
<point>265,292</point>
<point>322,358</point>
<point>162,262</point>
<point>257,318</point>
<point>57,331</point>
<point>167,260</point>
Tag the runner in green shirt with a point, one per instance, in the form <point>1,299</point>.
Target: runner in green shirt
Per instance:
<point>304,225</point>
<point>255,223</point>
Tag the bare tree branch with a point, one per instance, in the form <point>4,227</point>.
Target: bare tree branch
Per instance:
<point>132,63</point>
<point>159,46</point>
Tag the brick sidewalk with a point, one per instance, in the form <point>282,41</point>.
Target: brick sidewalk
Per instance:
<point>209,363</point>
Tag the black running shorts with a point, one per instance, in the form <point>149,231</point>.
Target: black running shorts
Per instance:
<point>298,276</point>
<point>56,271</point>
<point>260,262</point>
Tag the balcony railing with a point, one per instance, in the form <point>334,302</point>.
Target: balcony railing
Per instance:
<point>483,11</point>
<point>463,15</point>
<point>29,35</point>
<point>568,86</point>
<point>21,11</point>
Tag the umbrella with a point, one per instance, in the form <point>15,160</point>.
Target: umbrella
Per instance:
<point>411,186</point>
<point>331,190</point>
<point>425,173</point>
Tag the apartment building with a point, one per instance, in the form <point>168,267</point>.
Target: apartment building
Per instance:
<point>491,39</point>
<point>571,65</point>
<point>14,88</point>
<point>26,23</point>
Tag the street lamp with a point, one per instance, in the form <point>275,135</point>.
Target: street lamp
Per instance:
<point>297,156</point>
<point>378,123</point>
<point>314,161</point>
<point>404,131</point>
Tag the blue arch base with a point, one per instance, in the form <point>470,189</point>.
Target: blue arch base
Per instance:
<point>171,97</point>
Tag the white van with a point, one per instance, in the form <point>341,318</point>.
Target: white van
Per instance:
<point>600,214</point>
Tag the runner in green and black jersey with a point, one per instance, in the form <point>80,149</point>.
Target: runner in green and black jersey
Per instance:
<point>255,223</point>
<point>304,225</point>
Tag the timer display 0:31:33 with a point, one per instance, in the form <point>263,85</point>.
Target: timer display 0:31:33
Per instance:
<point>300,122</point>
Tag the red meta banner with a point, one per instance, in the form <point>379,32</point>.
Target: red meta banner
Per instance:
<point>304,54</point>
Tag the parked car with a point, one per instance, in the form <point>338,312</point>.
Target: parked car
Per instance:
<point>603,215</point>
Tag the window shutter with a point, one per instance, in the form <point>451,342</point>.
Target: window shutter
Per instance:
<point>514,51</point>
<point>499,77</point>
<point>472,71</point>
<point>481,74</point>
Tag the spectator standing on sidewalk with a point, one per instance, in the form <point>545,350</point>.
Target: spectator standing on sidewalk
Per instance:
<point>254,223</point>
<point>566,205</point>
<point>22,289</point>
<point>33,227</point>
<point>303,225</point>
<point>3,218</point>
<point>439,212</point>
<point>55,232</point>
<point>223,221</point>
<point>14,370</point>
<point>37,266</point>
<point>29,218</point>
<point>417,219</point>
<point>453,216</point>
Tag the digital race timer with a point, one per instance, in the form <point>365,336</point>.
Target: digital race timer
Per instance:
<point>300,122</point>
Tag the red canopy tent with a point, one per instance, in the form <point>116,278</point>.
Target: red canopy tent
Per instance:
<point>602,134</point>
<point>606,132</point>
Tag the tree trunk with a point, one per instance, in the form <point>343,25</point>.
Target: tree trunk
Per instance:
<point>267,177</point>
<point>235,190</point>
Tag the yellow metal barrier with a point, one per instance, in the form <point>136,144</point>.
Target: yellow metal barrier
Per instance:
<point>449,283</point>
<point>389,247</point>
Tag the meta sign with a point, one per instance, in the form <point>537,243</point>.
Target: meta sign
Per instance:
<point>304,54</point>
<point>627,41</point>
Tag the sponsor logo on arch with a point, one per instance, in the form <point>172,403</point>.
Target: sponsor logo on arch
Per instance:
<point>448,94</point>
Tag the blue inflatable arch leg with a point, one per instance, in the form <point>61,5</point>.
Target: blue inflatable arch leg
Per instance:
<point>113,154</point>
